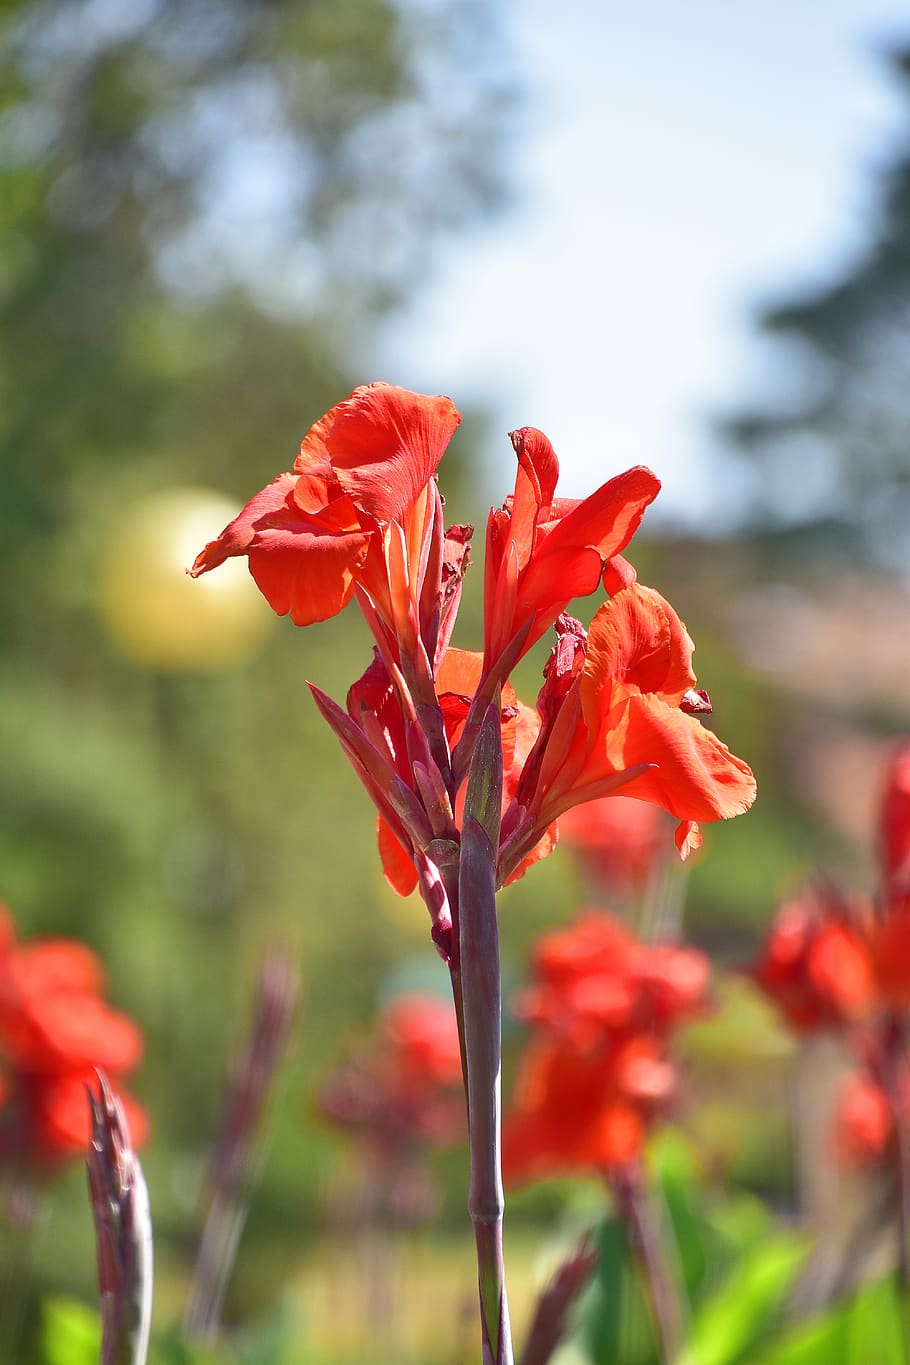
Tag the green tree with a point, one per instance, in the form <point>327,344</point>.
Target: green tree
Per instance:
<point>830,451</point>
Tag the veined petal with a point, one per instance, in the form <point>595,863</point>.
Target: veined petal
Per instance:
<point>535,483</point>
<point>696,777</point>
<point>237,536</point>
<point>607,520</point>
<point>381,445</point>
<point>537,461</point>
<point>552,580</point>
<point>637,639</point>
<point>307,573</point>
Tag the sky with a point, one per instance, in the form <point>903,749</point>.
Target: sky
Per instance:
<point>677,166</point>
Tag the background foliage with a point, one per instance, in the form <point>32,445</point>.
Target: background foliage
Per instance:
<point>208,211</point>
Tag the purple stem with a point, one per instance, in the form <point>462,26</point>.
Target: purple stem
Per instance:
<point>123,1231</point>
<point>636,1207</point>
<point>478,964</point>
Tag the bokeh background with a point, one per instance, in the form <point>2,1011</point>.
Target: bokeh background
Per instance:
<point>660,238</point>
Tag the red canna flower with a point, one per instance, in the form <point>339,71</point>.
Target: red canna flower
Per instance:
<point>817,966</point>
<point>629,722</point>
<point>55,1030</point>
<point>542,552</point>
<point>357,508</point>
<point>597,1072</point>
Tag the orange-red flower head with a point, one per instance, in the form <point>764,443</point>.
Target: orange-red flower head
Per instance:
<point>597,1071</point>
<point>354,509</point>
<point>630,723</point>
<point>55,1029</point>
<point>619,839</point>
<point>817,966</point>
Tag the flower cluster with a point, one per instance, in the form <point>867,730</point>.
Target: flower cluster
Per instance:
<point>404,1089</point>
<point>55,1029</point>
<point>597,1071</point>
<point>843,966</point>
<point>467,782</point>
<point>360,515</point>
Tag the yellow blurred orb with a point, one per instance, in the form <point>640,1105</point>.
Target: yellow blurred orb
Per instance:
<point>159,616</point>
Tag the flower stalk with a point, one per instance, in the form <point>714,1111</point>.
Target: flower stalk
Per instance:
<point>232,1167</point>
<point>478,933</point>
<point>123,1232</point>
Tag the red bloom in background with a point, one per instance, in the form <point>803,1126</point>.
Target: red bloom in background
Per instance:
<point>355,509</point>
<point>597,1072</point>
<point>404,1090</point>
<point>544,551</point>
<point>618,839</point>
<point>817,965</point>
<point>891,936</point>
<point>55,1029</point>
<point>895,831</point>
<point>864,1131</point>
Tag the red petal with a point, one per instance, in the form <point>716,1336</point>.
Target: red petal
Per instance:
<point>60,1116</point>
<point>46,966</point>
<point>688,838</point>
<point>552,580</point>
<point>397,867</point>
<point>309,574</point>
<point>696,777</point>
<point>607,520</point>
<point>637,639</point>
<point>537,460</point>
<point>239,534</point>
<point>382,445</point>
<point>535,483</point>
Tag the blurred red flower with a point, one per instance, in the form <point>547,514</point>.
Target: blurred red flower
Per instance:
<point>597,1071</point>
<point>895,831</point>
<point>404,1089</point>
<point>55,1029</point>
<point>618,839</point>
<point>817,964</point>
<point>863,1122</point>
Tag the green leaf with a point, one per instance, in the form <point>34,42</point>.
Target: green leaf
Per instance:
<point>70,1333</point>
<point>823,1341</point>
<point>676,1184</point>
<point>865,1330</point>
<point>743,1311</point>
<point>874,1329</point>
<point>616,1323</point>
